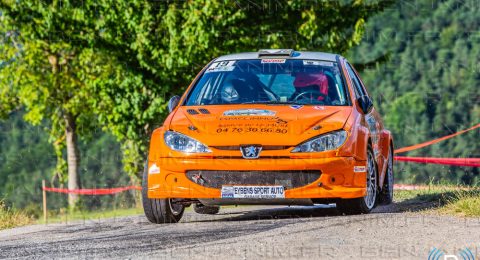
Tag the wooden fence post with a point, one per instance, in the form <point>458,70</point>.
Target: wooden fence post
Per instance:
<point>44,202</point>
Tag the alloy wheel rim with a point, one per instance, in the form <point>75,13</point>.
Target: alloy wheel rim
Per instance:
<point>371,182</point>
<point>390,176</point>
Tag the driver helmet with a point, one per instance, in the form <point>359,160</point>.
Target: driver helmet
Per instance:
<point>229,94</point>
<point>305,81</point>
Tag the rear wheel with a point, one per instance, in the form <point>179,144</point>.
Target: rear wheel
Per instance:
<point>386,196</point>
<point>202,209</point>
<point>366,204</point>
<point>159,211</point>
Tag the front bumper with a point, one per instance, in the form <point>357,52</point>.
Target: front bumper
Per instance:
<point>337,180</point>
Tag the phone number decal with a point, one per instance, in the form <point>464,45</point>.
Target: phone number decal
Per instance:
<point>252,130</point>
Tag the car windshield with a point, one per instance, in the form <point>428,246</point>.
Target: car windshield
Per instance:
<point>270,81</point>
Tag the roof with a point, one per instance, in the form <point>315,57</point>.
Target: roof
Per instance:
<point>298,55</point>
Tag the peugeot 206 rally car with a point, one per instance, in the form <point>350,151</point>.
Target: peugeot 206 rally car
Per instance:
<point>274,127</point>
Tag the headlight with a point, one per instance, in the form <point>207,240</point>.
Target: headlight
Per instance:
<point>182,143</point>
<point>325,142</point>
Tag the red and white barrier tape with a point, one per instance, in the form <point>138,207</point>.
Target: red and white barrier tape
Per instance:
<point>434,141</point>
<point>470,162</point>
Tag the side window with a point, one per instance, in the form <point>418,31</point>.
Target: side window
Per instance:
<point>359,90</point>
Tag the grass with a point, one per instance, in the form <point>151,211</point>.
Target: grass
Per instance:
<point>451,200</point>
<point>64,216</point>
<point>418,195</point>
<point>10,218</point>
<point>463,203</point>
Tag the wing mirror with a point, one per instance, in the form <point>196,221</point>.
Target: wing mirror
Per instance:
<point>173,103</point>
<point>365,103</point>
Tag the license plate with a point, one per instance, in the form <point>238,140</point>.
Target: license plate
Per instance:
<point>253,192</point>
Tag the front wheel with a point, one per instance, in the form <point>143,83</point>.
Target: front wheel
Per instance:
<point>159,211</point>
<point>366,204</point>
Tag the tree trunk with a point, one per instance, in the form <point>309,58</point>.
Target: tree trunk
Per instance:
<point>73,158</point>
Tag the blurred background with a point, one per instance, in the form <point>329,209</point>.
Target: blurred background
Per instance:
<point>93,78</point>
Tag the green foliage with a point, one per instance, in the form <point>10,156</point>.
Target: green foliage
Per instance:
<point>26,157</point>
<point>404,108</point>
<point>429,87</point>
<point>114,64</point>
<point>46,72</point>
<point>155,48</point>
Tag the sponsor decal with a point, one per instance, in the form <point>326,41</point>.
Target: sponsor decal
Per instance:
<point>319,107</point>
<point>273,60</point>
<point>228,192</point>
<point>249,112</point>
<point>296,106</point>
<point>359,168</point>
<point>246,130</point>
<point>153,169</point>
<point>253,192</point>
<point>220,69</point>
<point>317,63</point>
<point>252,124</point>
<point>221,66</point>
<point>242,117</point>
<point>281,121</point>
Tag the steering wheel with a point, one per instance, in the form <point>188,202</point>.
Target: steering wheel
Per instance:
<point>270,93</point>
<point>312,95</point>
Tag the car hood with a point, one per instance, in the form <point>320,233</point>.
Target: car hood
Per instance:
<point>284,125</point>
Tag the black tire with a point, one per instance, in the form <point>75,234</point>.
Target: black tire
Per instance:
<point>159,211</point>
<point>386,196</point>
<point>202,209</point>
<point>365,204</point>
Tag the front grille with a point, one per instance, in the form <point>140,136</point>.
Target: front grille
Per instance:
<point>259,158</point>
<point>288,179</point>
<point>264,148</point>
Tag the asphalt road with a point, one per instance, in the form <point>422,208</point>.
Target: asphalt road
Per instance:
<point>392,232</point>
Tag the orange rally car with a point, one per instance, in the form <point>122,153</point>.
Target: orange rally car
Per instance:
<point>274,127</point>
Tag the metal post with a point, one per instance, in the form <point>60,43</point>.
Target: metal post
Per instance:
<point>44,202</point>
